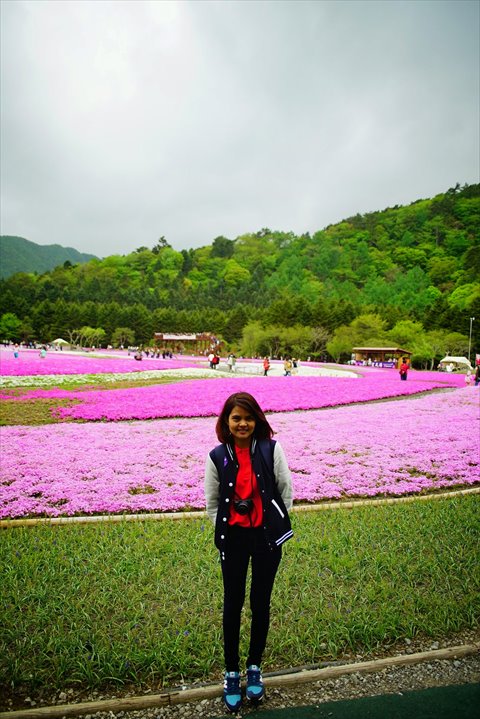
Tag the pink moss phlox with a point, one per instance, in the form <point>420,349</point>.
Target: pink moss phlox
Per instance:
<point>201,398</point>
<point>390,448</point>
<point>29,363</point>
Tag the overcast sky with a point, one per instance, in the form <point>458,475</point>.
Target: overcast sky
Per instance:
<point>125,121</point>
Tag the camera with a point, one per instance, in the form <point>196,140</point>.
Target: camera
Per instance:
<point>243,506</point>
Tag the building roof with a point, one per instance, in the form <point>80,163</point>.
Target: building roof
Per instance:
<point>169,336</point>
<point>380,349</point>
<point>183,336</point>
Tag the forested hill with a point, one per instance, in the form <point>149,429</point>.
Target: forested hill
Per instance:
<point>419,262</point>
<point>20,255</point>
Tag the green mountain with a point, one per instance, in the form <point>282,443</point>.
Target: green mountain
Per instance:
<point>20,255</point>
<point>418,263</point>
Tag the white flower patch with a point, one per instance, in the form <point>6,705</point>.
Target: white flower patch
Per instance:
<point>54,380</point>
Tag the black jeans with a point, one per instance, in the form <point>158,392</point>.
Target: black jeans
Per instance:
<point>243,544</point>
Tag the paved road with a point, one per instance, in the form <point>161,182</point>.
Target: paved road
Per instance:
<point>453,702</point>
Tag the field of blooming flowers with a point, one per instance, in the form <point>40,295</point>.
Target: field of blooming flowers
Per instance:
<point>129,464</point>
<point>29,363</point>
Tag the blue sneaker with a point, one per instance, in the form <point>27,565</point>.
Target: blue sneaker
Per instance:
<point>232,694</point>
<point>255,688</point>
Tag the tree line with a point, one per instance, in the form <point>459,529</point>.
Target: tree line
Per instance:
<point>418,263</point>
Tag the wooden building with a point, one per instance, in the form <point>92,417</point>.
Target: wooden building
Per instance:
<point>191,343</point>
<point>379,356</point>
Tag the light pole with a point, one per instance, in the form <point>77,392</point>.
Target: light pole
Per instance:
<point>472,319</point>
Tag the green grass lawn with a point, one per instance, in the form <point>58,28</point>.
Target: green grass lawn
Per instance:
<point>96,605</point>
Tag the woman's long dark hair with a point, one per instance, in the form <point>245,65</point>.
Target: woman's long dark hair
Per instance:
<point>250,404</point>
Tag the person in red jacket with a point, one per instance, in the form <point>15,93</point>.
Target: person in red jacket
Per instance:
<point>404,368</point>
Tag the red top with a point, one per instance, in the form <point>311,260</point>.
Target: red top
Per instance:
<point>246,487</point>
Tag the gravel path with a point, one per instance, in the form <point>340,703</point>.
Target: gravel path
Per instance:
<point>350,686</point>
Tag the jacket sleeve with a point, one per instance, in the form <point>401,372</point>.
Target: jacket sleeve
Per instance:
<point>283,476</point>
<point>212,488</point>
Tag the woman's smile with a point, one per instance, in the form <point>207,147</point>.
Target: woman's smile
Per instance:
<point>241,425</point>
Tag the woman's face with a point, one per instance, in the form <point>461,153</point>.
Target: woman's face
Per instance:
<point>241,425</point>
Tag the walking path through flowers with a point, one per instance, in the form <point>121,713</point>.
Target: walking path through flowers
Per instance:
<point>360,450</point>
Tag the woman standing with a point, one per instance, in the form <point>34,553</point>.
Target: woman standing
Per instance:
<point>248,491</point>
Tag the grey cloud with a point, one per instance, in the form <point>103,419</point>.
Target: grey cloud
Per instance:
<point>124,121</point>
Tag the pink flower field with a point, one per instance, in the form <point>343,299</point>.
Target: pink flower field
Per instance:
<point>203,398</point>
<point>388,448</point>
<point>143,449</point>
<point>29,363</point>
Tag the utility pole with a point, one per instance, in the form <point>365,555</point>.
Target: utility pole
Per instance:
<point>472,319</point>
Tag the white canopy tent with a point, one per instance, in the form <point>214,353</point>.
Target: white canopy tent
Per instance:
<point>458,363</point>
<point>60,341</point>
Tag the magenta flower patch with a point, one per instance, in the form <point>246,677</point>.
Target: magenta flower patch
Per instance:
<point>29,363</point>
<point>202,398</point>
<point>385,448</point>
